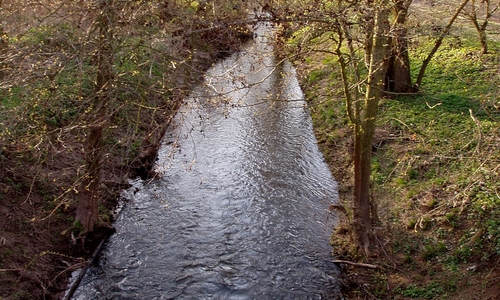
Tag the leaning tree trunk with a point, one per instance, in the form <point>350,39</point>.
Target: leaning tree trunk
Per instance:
<point>87,209</point>
<point>427,60</point>
<point>363,214</point>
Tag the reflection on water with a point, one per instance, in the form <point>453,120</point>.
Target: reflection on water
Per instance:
<point>240,211</point>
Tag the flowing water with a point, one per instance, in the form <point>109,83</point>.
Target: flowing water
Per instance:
<point>240,210</point>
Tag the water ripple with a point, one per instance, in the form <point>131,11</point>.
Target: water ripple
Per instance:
<point>241,209</point>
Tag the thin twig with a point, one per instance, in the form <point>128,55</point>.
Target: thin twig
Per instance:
<point>399,270</point>
<point>10,270</point>
<point>361,265</point>
<point>493,268</point>
<point>32,184</point>
<point>479,138</point>
<point>70,268</point>
<point>367,292</point>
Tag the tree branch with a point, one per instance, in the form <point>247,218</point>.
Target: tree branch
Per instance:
<point>438,43</point>
<point>361,265</point>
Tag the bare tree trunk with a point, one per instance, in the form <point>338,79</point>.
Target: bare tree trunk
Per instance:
<point>87,210</point>
<point>481,28</point>
<point>368,28</point>
<point>398,73</point>
<point>438,44</point>
<point>363,215</point>
<point>482,38</point>
<point>3,47</point>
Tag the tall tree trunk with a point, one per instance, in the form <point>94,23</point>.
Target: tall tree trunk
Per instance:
<point>87,210</point>
<point>3,47</point>
<point>368,28</point>
<point>398,78</point>
<point>363,215</point>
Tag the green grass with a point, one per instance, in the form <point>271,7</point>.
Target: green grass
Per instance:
<point>11,97</point>
<point>493,234</point>
<point>430,291</point>
<point>448,147</point>
<point>435,164</point>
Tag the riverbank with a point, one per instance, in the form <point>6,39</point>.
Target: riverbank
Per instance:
<point>435,173</point>
<point>43,128</point>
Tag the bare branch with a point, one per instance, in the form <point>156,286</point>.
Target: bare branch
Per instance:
<point>361,265</point>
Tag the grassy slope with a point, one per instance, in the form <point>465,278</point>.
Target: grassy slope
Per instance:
<point>436,170</point>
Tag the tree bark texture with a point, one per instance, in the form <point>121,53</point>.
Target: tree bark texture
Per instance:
<point>398,78</point>
<point>87,209</point>
<point>368,27</point>
<point>363,215</point>
<point>482,38</point>
<point>3,47</point>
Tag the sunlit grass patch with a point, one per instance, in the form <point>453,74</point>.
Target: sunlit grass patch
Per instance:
<point>445,144</point>
<point>436,162</point>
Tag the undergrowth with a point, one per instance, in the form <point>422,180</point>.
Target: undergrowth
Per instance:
<point>47,85</point>
<point>435,171</point>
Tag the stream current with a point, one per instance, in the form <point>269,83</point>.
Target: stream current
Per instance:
<point>240,210</point>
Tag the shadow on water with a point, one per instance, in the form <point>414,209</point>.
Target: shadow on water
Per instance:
<point>240,211</point>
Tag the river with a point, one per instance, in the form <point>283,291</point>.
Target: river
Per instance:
<point>240,209</point>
